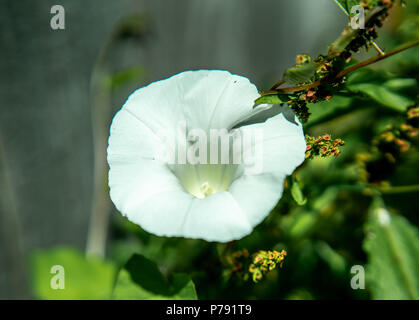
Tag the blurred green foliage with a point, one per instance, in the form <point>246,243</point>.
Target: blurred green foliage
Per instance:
<point>382,88</point>
<point>83,278</point>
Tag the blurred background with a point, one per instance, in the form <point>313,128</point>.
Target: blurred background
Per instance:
<point>60,88</point>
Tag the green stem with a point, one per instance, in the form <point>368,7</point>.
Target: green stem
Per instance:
<point>343,72</point>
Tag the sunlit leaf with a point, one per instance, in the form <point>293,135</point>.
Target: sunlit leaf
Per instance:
<point>375,86</point>
<point>392,246</point>
<point>84,278</point>
<point>383,96</point>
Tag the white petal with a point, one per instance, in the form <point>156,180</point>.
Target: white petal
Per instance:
<point>283,149</point>
<point>204,98</point>
<point>152,198</point>
<point>214,218</point>
<point>133,182</point>
<point>164,213</point>
<point>282,143</point>
<point>131,138</point>
<point>257,195</point>
<point>217,217</point>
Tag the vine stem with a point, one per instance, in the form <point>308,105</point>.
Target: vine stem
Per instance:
<point>343,72</point>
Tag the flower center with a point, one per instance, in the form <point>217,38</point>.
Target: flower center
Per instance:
<point>202,180</point>
<point>206,190</point>
<point>206,163</point>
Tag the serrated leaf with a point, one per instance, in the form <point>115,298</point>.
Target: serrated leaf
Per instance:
<point>84,278</point>
<point>140,279</point>
<point>392,246</point>
<point>301,73</point>
<point>348,4</point>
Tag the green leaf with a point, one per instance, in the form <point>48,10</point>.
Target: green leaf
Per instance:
<point>183,286</point>
<point>327,110</point>
<point>272,99</point>
<point>383,96</point>
<point>140,279</point>
<point>340,43</point>
<point>349,34</point>
<point>343,5</point>
<point>84,278</point>
<point>296,192</point>
<point>392,246</point>
<point>400,83</point>
<point>300,74</point>
<point>375,86</point>
<point>365,75</point>
<point>347,5</point>
<point>351,3</point>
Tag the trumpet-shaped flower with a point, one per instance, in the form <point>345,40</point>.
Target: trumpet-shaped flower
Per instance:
<point>179,153</point>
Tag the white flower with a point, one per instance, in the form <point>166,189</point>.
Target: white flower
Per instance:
<point>215,202</point>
